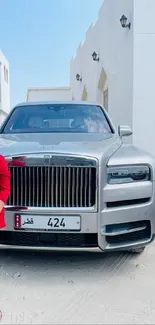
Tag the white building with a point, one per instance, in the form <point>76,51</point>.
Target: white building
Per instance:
<point>4,87</point>
<point>123,78</point>
<point>48,94</point>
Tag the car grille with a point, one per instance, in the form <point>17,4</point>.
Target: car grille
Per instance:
<point>53,186</point>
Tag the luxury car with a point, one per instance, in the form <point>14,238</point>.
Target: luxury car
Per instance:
<point>74,182</point>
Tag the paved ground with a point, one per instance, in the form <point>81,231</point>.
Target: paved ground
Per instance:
<point>77,287</point>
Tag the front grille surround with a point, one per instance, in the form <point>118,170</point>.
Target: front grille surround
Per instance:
<point>53,186</point>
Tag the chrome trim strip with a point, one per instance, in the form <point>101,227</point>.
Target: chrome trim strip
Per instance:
<point>68,160</point>
<point>49,209</point>
<point>128,246</point>
<point>120,232</point>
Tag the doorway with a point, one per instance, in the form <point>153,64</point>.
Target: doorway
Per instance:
<point>103,88</point>
<point>84,94</point>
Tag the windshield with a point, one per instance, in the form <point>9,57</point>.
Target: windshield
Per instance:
<point>57,118</point>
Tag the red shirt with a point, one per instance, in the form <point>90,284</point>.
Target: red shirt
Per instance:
<point>4,187</point>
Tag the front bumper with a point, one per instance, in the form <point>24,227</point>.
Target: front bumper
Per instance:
<point>125,219</point>
<point>138,230</point>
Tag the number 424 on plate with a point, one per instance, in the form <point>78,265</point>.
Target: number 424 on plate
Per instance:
<point>56,222</point>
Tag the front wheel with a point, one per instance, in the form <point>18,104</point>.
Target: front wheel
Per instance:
<point>139,250</point>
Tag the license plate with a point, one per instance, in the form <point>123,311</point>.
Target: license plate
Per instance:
<point>50,222</point>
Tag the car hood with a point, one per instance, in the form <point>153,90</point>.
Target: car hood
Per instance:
<point>92,145</point>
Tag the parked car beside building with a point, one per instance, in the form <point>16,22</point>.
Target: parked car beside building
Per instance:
<point>74,182</point>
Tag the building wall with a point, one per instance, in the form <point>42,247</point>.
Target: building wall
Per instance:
<point>2,116</point>
<point>144,75</point>
<point>4,86</point>
<point>114,71</point>
<point>126,67</point>
<point>48,94</point>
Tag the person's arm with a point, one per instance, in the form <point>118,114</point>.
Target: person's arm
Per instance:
<point>4,182</point>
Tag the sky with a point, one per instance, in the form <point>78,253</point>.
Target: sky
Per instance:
<point>39,37</point>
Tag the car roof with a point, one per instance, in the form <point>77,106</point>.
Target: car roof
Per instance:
<point>55,102</point>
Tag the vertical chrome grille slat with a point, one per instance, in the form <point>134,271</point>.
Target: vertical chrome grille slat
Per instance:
<point>45,185</point>
<point>29,180</point>
<point>56,201</point>
<point>69,187</point>
<point>53,186</point>
<point>81,186</point>
<point>61,187</point>
<point>73,187</point>
<point>17,188</point>
<point>42,187</point>
<point>38,187</point>
<point>85,189</point>
<point>21,180</point>
<point>25,187</point>
<point>48,187</point>
<point>77,186</point>
<point>89,187</point>
<point>65,186</point>
<point>14,184</point>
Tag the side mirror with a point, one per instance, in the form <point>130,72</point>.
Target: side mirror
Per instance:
<point>124,131</point>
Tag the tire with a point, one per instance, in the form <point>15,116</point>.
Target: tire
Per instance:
<point>139,250</point>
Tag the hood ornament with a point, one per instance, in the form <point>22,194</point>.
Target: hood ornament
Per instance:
<point>47,159</point>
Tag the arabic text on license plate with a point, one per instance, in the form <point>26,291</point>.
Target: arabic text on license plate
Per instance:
<point>50,222</point>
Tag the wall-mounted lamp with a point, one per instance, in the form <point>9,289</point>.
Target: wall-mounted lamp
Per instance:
<point>78,78</point>
<point>123,22</point>
<point>95,56</point>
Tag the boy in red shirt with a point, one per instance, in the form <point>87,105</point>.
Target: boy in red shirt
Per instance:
<point>4,188</point>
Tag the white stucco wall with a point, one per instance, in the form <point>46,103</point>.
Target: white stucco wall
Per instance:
<point>4,87</point>
<point>114,45</point>
<point>144,75</point>
<point>48,94</point>
<point>128,59</point>
<point>2,116</point>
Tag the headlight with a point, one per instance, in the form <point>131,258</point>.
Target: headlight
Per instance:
<point>128,174</point>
